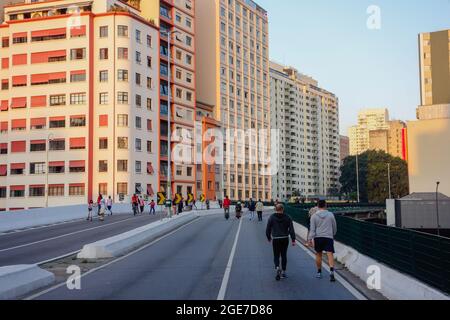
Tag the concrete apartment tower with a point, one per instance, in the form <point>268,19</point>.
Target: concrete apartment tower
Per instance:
<point>368,120</point>
<point>79,99</point>
<point>429,137</point>
<point>307,117</point>
<point>233,78</point>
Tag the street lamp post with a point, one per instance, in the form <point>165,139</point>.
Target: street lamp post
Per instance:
<point>389,180</point>
<point>437,208</point>
<point>49,139</point>
<point>169,116</point>
<point>357,177</point>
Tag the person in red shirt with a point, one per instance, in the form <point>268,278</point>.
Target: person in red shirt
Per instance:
<point>226,207</point>
<point>135,203</point>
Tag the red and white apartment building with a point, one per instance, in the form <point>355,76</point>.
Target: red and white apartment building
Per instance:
<point>79,101</point>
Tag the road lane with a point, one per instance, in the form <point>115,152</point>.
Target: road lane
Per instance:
<point>36,245</point>
<point>190,264</point>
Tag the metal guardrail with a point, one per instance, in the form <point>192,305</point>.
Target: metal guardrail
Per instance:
<point>423,256</point>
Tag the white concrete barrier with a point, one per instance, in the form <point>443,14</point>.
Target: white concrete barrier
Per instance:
<point>16,281</point>
<point>23,219</point>
<point>126,242</point>
<point>394,285</point>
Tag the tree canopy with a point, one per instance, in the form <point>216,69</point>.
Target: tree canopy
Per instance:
<point>373,177</point>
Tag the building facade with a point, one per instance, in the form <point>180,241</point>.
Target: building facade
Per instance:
<point>79,101</point>
<point>429,136</point>
<point>368,120</point>
<point>307,118</point>
<point>345,147</point>
<point>233,76</point>
<point>392,140</point>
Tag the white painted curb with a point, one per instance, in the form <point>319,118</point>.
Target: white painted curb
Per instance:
<point>394,284</point>
<point>16,281</point>
<point>126,242</point>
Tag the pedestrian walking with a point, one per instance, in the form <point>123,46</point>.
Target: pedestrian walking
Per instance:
<point>311,212</point>
<point>207,204</point>
<point>180,207</point>
<point>142,204</point>
<point>99,199</point>
<point>109,204</point>
<point>321,236</point>
<point>135,204</point>
<point>260,209</point>
<point>251,209</point>
<point>152,207</point>
<point>102,209</point>
<point>226,207</point>
<point>238,210</point>
<point>90,207</point>
<point>194,204</point>
<point>279,228</point>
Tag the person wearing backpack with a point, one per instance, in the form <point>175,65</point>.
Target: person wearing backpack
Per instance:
<point>238,210</point>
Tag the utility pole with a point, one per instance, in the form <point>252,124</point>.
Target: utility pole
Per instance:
<point>357,176</point>
<point>437,209</point>
<point>389,180</point>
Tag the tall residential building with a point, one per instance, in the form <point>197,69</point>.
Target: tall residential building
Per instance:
<point>233,76</point>
<point>391,140</point>
<point>429,137</point>
<point>78,102</point>
<point>345,147</point>
<point>368,120</point>
<point>176,18</point>
<point>307,118</point>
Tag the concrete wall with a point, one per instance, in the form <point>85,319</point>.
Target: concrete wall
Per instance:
<point>429,155</point>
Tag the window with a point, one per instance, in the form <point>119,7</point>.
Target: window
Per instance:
<point>76,190</point>
<point>189,171</point>
<point>138,100</point>
<point>17,191</point>
<point>103,98</point>
<point>122,53</point>
<point>138,36</point>
<point>188,41</point>
<point>122,97</point>
<point>149,104</point>
<point>103,188</point>
<point>138,57</point>
<point>58,100</point>
<point>122,120</point>
<point>138,166</point>
<point>57,122</point>
<point>38,146</point>
<point>138,78</point>
<point>2,192</point>
<point>103,31</point>
<point>122,165</point>
<point>57,145</point>
<point>103,77</point>
<point>77,98</point>
<point>103,143</point>
<point>78,121</point>
<point>5,42</point>
<point>122,188</point>
<point>138,144</point>
<point>122,75</point>
<point>78,54</point>
<point>56,190</point>
<point>37,191</point>
<point>138,123</point>
<point>17,169</point>
<point>103,54</point>
<point>77,143</point>
<point>149,61</point>
<point>103,166</point>
<point>149,147</point>
<point>78,77</point>
<point>37,168</point>
<point>149,83</point>
<point>149,41</point>
<point>122,31</point>
<point>122,143</point>
<point>188,59</point>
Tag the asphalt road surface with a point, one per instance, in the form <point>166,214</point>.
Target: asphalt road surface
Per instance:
<point>193,263</point>
<point>40,244</point>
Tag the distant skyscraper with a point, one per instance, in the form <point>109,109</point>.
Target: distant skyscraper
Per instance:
<point>368,120</point>
<point>307,118</point>
<point>391,140</point>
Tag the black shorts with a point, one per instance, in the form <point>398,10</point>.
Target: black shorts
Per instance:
<point>324,244</point>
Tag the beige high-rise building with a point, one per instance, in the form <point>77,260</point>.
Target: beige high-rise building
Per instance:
<point>368,120</point>
<point>233,76</point>
<point>429,137</point>
<point>307,118</point>
<point>391,140</point>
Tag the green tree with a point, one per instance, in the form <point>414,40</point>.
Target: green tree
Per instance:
<point>373,176</point>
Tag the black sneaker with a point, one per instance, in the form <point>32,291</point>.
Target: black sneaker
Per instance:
<point>278,277</point>
<point>332,278</point>
<point>284,275</point>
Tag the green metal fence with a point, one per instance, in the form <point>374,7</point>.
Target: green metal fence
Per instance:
<point>423,256</point>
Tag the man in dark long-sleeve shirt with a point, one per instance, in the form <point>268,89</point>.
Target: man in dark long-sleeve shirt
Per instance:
<point>279,228</point>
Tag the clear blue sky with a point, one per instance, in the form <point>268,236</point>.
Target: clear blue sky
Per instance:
<point>329,40</point>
